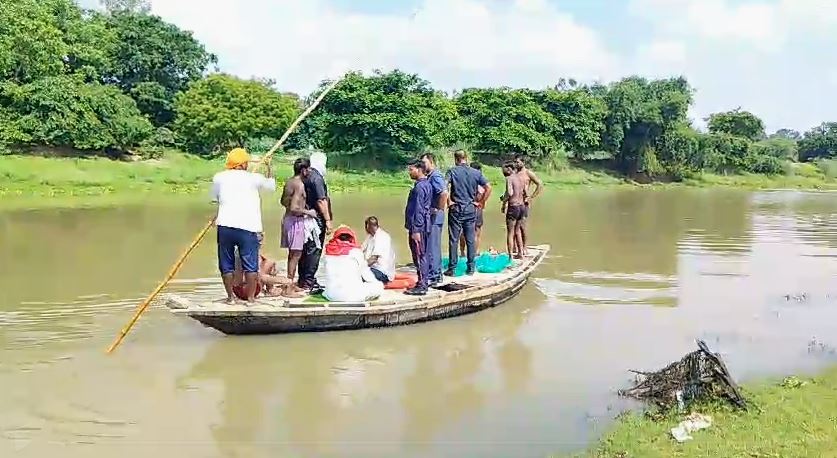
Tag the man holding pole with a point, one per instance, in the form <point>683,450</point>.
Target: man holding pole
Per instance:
<point>239,220</point>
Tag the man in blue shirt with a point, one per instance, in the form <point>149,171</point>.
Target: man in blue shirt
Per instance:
<point>417,221</point>
<point>464,184</point>
<point>437,212</point>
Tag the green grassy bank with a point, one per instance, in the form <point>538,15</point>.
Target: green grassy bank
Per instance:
<point>32,181</point>
<point>788,418</point>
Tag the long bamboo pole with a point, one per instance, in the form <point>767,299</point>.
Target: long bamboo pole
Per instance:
<point>179,263</point>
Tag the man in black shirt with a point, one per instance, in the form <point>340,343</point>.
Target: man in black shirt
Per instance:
<point>464,183</point>
<point>316,198</point>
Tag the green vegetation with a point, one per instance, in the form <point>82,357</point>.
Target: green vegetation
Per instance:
<point>791,418</point>
<point>94,84</point>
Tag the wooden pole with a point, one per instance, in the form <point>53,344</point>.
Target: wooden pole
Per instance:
<point>179,263</point>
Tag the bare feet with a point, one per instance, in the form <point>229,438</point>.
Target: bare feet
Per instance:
<point>229,300</point>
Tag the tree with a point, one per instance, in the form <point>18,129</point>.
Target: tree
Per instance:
<point>507,121</point>
<point>381,113</point>
<point>789,134</point>
<point>130,6</point>
<point>31,43</point>
<point>724,152</point>
<point>639,113</point>
<point>221,111</point>
<point>738,123</point>
<point>579,117</point>
<point>778,147</point>
<point>65,111</point>
<point>153,61</point>
<point>819,142</point>
<point>679,151</point>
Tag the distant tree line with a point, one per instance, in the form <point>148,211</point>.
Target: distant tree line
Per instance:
<point>123,79</point>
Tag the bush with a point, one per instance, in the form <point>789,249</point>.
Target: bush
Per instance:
<point>828,167</point>
<point>767,165</point>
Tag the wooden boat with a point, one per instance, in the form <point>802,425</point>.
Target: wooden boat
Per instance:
<point>281,315</point>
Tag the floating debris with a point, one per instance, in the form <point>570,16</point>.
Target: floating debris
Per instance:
<point>699,376</point>
<point>694,422</point>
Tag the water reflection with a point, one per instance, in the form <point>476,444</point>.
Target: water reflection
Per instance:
<point>317,395</point>
<point>633,278</point>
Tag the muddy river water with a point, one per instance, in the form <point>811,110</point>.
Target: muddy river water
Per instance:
<point>633,278</point>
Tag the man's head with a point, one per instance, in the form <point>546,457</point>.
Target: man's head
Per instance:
<point>508,168</point>
<point>476,165</point>
<point>301,167</point>
<point>416,169</point>
<point>429,161</point>
<point>237,159</point>
<point>518,161</point>
<point>372,225</point>
<point>459,156</point>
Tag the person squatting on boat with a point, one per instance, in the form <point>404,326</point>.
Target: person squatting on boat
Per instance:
<point>464,182</point>
<point>239,220</point>
<point>378,251</point>
<point>417,222</point>
<point>348,278</point>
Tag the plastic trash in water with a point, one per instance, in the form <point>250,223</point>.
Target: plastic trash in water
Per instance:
<point>694,422</point>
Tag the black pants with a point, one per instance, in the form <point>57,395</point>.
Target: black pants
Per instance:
<point>310,261</point>
<point>462,223</point>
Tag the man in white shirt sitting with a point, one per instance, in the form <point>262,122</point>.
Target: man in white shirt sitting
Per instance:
<point>347,277</point>
<point>378,251</point>
<point>239,220</point>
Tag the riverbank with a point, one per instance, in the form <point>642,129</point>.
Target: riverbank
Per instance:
<point>37,182</point>
<point>788,418</point>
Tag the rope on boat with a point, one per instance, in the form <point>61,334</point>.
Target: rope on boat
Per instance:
<point>179,263</point>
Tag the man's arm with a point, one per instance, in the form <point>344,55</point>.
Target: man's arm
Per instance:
<point>372,260</point>
<point>533,177</point>
<point>487,190</point>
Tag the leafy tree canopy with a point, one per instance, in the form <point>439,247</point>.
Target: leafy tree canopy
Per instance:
<point>737,122</point>
<point>221,111</point>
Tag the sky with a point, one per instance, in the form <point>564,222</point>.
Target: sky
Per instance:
<point>772,57</point>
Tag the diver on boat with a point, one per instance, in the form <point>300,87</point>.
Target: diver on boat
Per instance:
<point>239,219</point>
<point>417,221</point>
<point>527,177</point>
<point>378,251</point>
<point>514,208</point>
<point>348,277</point>
<point>464,182</point>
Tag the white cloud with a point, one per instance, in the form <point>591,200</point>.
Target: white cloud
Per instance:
<point>450,42</point>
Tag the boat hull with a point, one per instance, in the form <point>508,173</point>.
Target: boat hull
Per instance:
<point>403,311</point>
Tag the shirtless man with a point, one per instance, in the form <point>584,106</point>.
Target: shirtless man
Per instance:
<point>514,206</point>
<point>527,177</point>
<point>293,223</point>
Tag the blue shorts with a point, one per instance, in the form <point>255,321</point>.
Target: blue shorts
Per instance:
<point>248,248</point>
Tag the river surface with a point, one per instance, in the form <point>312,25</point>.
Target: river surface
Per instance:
<point>633,278</point>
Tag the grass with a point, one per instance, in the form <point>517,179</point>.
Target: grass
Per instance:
<point>789,418</point>
<point>31,181</point>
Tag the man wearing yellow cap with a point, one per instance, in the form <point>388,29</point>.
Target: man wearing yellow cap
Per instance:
<point>239,221</point>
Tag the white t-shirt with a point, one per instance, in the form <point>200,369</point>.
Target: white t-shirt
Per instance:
<point>348,278</point>
<point>380,245</point>
<point>239,203</point>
